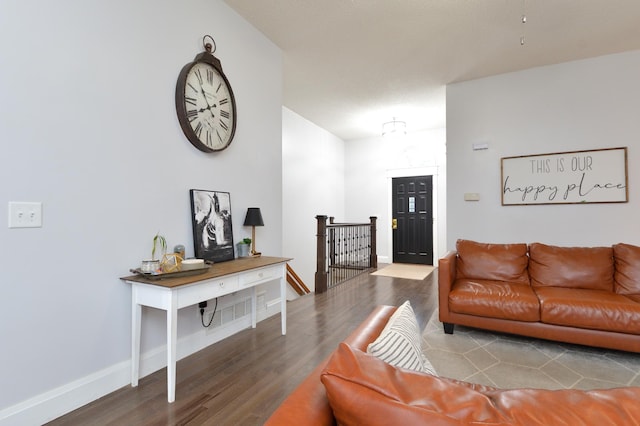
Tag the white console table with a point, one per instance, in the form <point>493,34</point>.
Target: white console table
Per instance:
<point>171,294</point>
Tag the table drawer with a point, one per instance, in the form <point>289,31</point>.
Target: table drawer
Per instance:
<point>261,275</point>
<point>207,290</point>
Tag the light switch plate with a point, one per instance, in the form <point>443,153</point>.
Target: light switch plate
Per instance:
<point>25,214</point>
<point>480,146</point>
<point>471,196</point>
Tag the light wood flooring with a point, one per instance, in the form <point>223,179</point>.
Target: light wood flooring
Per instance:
<point>242,379</point>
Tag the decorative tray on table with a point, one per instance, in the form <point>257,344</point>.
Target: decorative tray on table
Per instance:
<point>155,275</point>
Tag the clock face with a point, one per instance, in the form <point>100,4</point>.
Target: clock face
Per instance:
<point>206,107</point>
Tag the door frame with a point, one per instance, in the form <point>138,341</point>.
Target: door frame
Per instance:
<point>400,173</point>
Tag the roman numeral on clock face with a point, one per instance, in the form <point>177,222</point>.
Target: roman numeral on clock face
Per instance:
<point>198,129</point>
<point>192,114</point>
<point>225,114</point>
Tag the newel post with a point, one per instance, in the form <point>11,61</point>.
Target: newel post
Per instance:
<point>321,250</point>
<point>373,259</point>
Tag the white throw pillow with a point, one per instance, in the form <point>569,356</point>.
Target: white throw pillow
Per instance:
<point>399,343</point>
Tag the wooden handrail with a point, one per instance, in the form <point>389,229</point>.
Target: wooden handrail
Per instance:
<point>296,282</point>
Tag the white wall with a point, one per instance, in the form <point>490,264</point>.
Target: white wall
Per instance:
<point>370,165</point>
<point>88,128</point>
<point>580,105</point>
<point>351,181</point>
<point>313,184</point>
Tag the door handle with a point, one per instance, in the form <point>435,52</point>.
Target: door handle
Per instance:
<point>394,223</point>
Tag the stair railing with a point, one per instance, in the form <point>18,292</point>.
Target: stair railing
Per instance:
<point>344,250</point>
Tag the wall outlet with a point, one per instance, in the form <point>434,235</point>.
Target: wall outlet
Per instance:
<point>25,214</point>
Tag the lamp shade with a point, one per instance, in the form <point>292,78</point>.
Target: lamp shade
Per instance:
<point>253,217</point>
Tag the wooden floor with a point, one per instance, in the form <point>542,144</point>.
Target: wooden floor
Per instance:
<point>242,379</point>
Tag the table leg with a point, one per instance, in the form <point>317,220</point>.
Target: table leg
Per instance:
<point>136,318</point>
<point>172,334</point>
<point>254,307</point>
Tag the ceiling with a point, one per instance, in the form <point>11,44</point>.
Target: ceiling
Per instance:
<point>350,65</point>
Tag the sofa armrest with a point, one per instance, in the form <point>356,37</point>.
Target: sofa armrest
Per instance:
<point>446,278</point>
<point>308,403</point>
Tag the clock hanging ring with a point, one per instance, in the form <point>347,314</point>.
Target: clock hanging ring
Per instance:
<point>205,104</point>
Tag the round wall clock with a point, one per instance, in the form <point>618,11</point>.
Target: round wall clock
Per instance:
<point>205,103</point>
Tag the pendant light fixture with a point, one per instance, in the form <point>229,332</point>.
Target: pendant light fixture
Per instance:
<point>394,128</point>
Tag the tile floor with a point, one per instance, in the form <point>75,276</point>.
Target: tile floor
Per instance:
<point>505,361</point>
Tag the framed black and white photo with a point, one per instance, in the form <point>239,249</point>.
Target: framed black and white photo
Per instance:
<point>211,219</point>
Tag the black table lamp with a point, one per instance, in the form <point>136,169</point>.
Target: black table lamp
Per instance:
<point>253,219</point>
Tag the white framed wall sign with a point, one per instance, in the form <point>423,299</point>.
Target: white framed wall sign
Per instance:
<point>593,176</point>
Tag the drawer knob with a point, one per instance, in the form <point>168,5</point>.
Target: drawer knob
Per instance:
<point>222,284</point>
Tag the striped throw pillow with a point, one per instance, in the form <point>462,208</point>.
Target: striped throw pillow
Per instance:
<point>399,343</point>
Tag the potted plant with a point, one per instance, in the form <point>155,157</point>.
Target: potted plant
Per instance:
<point>158,240</point>
<point>243,247</point>
<point>153,265</point>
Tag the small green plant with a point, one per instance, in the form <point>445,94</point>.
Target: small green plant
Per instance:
<point>158,240</point>
<point>246,240</point>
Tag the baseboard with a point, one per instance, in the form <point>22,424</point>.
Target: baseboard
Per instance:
<point>64,399</point>
<point>57,402</point>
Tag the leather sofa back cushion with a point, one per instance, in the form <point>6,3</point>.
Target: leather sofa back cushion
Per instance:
<point>495,262</point>
<point>574,267</point>
<point>627,261</point>
<point>364,390</point>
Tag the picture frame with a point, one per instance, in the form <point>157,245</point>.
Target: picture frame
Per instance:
<point>574,177</point>
<point>211,221</point>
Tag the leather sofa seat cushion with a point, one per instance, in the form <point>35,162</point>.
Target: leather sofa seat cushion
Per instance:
<point>497,262</point>
<point>494,299</point>
<point>592,309</point>
<point>575,267</point>
<point>627,263</point>
<point>364,390</point>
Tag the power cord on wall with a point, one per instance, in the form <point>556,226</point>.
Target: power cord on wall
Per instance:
<point>203,305</point>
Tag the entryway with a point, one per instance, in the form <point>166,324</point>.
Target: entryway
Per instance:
<point>412,220</point>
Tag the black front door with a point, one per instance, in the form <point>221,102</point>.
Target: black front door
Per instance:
<point>412,220</point>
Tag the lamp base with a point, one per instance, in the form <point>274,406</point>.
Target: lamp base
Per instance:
<point>255,254</point>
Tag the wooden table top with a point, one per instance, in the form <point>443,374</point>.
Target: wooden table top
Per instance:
<point>216,270</point>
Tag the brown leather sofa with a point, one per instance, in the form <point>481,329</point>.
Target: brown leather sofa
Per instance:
<point>355,388</point>
<point>582,295</point>
<point>308,404</point>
